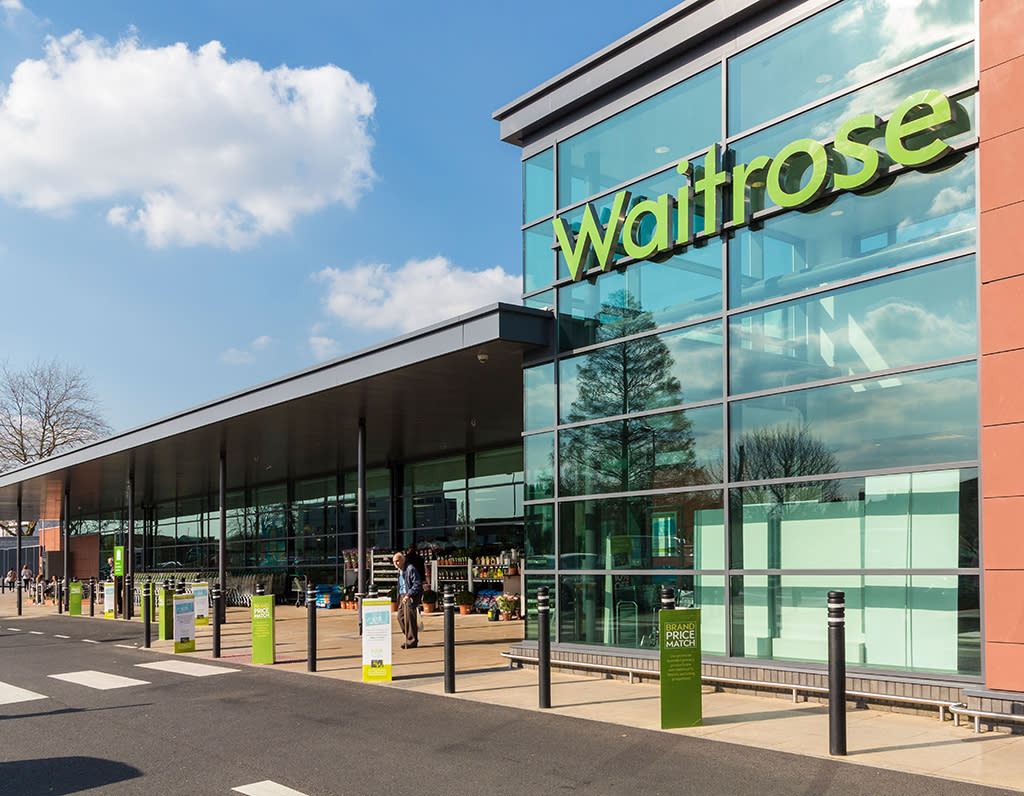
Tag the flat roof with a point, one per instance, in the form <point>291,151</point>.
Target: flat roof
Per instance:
<point>453,386</point>
<point>682,28</point>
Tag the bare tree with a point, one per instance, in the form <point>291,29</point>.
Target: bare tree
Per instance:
<point>45,409</point>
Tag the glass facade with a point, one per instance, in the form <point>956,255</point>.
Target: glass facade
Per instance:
<point>782,409</point>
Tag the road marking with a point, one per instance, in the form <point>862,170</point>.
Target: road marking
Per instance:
<point>15,629</point>
<point>186,667</point>
<point>37,632</point>
<point>125,646</point>
<point>89,641</point>
<point>98,680</point>
<point>11,693</point>
<point>58,635</point>
<point>267,788</point>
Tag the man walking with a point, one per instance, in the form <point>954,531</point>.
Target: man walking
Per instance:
<point>410,592</point>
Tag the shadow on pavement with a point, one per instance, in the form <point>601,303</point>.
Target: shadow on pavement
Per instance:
<point>53,776</point>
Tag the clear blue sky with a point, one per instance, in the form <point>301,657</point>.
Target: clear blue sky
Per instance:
<point>182,220</point>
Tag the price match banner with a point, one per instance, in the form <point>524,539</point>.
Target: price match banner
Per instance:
<point>184,623</point>
<point>108,601</point>
<point>75,598</point>
<point>679,637</point>
<point>377,639</point>
<point>263,628</point>
<point>201,592</point>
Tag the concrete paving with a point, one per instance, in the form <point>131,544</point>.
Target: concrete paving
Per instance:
<point>883,739</point>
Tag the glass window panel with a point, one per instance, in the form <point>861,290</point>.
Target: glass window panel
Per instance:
<point>538,257</point>
<point>659,452</point>
<point>946,73</point>
<point>642,297</point>
<point>540,536</point>
<point>682,530</point>
<point>850,42</point>
<point>651,372</point>
<point>271,496</point>
<point>542,301</point>
<point>913,419</point>
<point>921,215</point>
<point>539,185</point>
<point>435,475</point>
<point>378,483</point>
<point>531,583</point>
<point>655,132</point>
<point>501,466</point>
<point>317,489</point>
<point>917,316</point>
<point>539,397</point>
<point>897,521</point>
<point>622,610</point>
<point>496,502</point>
<point>539,463</point>
<point>917,622</point>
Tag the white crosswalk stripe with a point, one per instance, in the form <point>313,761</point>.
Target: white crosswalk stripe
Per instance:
<point>267,788</point>
<point>98,680</point>
<point>186,667</point>
<point>11,693</point>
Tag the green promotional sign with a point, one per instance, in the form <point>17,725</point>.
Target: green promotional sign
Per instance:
<point>679,642</point>
<point>263,628</point>
<point>75,598</point>
<point>118,562</point>
<point>165,615</point>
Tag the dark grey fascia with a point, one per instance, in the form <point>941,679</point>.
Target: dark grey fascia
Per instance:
<point>663,39</point>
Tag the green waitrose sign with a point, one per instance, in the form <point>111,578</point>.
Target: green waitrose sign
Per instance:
<point>679,643</point>
<point>75,598</point>
<point>722,190</point>
<point>263,628</point>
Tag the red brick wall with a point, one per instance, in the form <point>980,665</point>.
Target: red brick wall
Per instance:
<point>1001,246</point>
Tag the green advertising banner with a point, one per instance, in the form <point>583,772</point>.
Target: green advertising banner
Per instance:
<point>263,628</point>
<point>679,642</point>
<point>165,615</point>
<point>75,598</point>
<point>118,562</point>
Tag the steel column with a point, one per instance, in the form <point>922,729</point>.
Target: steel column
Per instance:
<point>222,542</point>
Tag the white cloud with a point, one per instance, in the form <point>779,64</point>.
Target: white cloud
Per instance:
<point>323,347</point>
<point>413,295</point>
<point>11,5</point>
<point>188,147</point>
<point>243,356</point>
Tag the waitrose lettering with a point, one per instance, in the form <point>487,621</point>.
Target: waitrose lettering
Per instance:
<point>782,176</point>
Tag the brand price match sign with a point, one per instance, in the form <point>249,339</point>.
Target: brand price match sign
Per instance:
<point>75,598</point>
<point>263,628</point>
<point>201,592</point>
<point>679,637</point>
<point>184,623</point>
<point>377,640</point>
<point>108,601</point>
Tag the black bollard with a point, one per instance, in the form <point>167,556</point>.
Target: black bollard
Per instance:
<point>92,596</point>
<point>449,638</point>
<point>260,591</point>
<point>371,592</point>
<point>218,599</point>
<point>544,646</point>
<point>668,598</point>
<point>58,595</point>
<point>181,587</point>
<point>146,592</point>
<point>18,587</point>
<point>310,628</point>
<point>836,673</point>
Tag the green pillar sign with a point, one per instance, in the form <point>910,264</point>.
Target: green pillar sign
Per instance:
<point>263,628</point>
<point>75,598</point>
<point>679,642</point>
<point>118,562</point>
<point>165,615</point>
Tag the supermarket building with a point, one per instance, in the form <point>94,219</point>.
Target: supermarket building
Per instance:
<point>769,347</point>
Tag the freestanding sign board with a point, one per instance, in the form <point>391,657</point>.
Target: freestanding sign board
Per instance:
<point>118,562</point>
<point>263,628</point>
<point>108,600</point>
<point>377,639</point>
<point>201,592</point>
<point>75,598</point>
<point>184,623</point>
<point>165,615</point>
<point>679,641</point>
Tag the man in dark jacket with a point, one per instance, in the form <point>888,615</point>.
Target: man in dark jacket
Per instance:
<point>410,593</point>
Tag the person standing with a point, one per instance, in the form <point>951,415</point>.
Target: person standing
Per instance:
<point>26,577</point>
<point>410,593</point>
